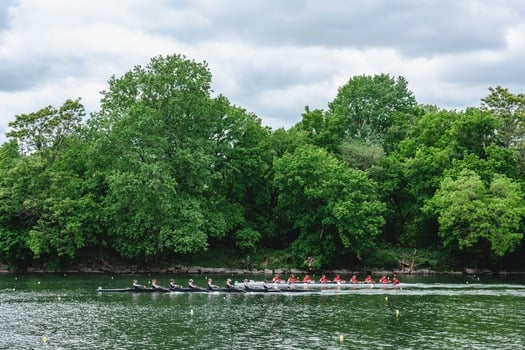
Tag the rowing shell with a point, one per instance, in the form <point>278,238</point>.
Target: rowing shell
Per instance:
<point>318,285</point>
<point>190,290</point>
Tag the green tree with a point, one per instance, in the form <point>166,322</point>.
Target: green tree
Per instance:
<point>41,187</point>
<point>159,140</point>
<point>360,155</point>
<point>509,109</point>
<point>374,109</point>
<point>470,214</point>
<point>48,128</point>
<point>334,210</point>
<point>434,145</point>
<point>14,222</point>
<point>245,167</point>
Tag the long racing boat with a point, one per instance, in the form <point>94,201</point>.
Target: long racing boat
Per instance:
<point>202,290</point>
<point>317,285</point>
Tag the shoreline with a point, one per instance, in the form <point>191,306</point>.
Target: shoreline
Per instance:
<point>198,270</point>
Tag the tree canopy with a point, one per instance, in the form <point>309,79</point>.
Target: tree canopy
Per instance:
<point>167,168</point>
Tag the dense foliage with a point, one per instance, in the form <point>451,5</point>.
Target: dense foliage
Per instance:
<point>165,170</point>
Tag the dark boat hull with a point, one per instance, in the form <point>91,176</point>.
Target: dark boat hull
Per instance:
<point>190,290</point>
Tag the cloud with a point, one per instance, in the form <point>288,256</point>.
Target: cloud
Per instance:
<point>269,57</point>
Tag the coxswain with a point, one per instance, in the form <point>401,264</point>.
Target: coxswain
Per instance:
<point>276,279</point>
<point>137,285</point>
<point>292,279</point>
<point>308,279</point>
<point>211,286</point>
<point>395,281</point>
<point>324,279</point>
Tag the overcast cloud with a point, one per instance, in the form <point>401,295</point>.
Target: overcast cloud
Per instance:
<point>269,57</point>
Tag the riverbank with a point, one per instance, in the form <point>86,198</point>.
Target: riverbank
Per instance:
<point>196,270</point>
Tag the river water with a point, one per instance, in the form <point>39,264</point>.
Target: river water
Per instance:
<point>66,312</point>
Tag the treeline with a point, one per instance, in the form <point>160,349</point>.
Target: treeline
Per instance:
<point>164,169</point>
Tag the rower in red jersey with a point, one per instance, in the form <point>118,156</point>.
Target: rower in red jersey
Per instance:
<point>292,278</point>
<point>395,281</point>
<point>308,279</point>
<point>384,279</point>
<point>338,279</point>
<point>368,279</point>
<point>324,279</point>
<point>354,279</point>
<point>276,279</point>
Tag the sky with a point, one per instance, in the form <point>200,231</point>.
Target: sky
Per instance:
<point>270,57</point>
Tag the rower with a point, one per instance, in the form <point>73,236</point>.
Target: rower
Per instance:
<point>193,286</point>
<point>368,279</point>
<point>276,279</point>
<point>354,279</point>
<point>268,288</point>
<point>173,286</point>
<point>324,279</point>
<point>395,281</point>
<point>338,279</point>
<point>211,286</point>
<point>155,285</point>
<point>292,279</point>
<point>229,284</point>
<point>246,284</point>
<point>384,279</point>
<point>137,285</point>
<point>308,279</point>
<point>265,285</point>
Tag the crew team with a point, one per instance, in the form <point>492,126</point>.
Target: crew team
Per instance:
<point>276,279</point>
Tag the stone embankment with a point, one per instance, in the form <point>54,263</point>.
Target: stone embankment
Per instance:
<point>195,270</point>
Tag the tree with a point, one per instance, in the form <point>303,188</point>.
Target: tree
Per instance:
<point>471,214</point>
<point>48,128</point>
<point>160,139</point>
<point>245,167</point>
<point>333,209</point>
<point>372,109</point>
<point>13,220</point>
<point>360,155</point>
<point>47,201</point>
<point>509,109</point>
<point>434,145</point>
<point>41,190</point>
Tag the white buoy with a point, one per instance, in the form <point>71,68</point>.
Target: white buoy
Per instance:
<point>191,312</point>
<point>341,338</point>
<point>397,313</point>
